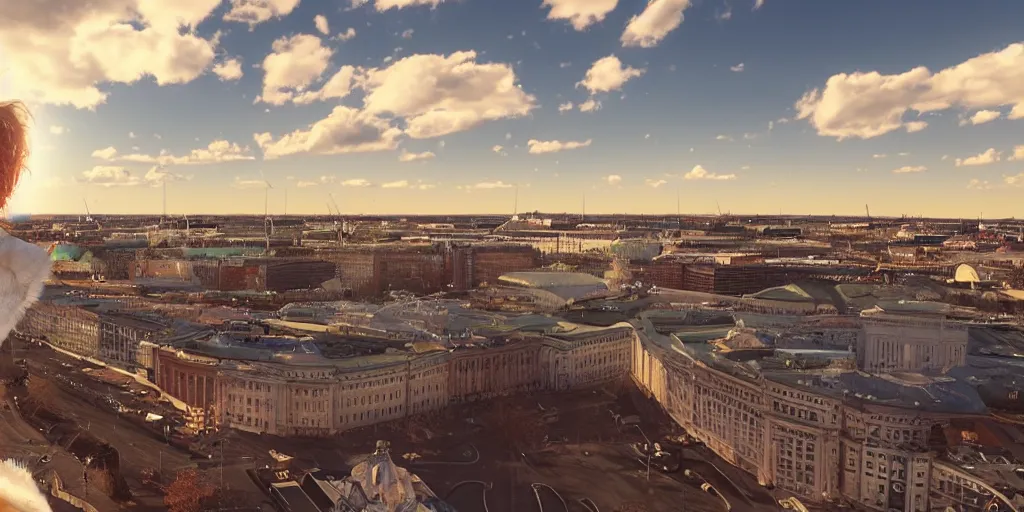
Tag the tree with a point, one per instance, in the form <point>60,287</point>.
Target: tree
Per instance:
<point>187,492</point>
<point>1017,278</point>
<point>42,391</point>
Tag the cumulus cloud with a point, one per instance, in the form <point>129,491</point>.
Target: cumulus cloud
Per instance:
<point>485,185</point>
<point>455,94</point>
<point>407,33</point>
<point>591,105</point>
<point>320,22</point>
<point>908,169</point>
<point>346,35</point>
<point>613,179</point>
<point>700,173</point>
<point>109,176</point>
<point>648,28</point>
<point>1018,153</point>
<point>357,182</point>
<point>228,70</point>
<point>869,104</point>
<point>499,149</point>
<point>539,147</point>
<point>723,137</point>
<point>986,157</point>
<point>976,184</point>
<point>607,74</point>
<point>384,5</point>
<point>292,66</point>
<point>1015,180</point>
<point>396,184</point>
<point>565,107</point>
<point>654,183</point>
<point>255,12</point>
<point>981,117</point>
<point>579,13</point>
<point>218,151</point>
<point>738,68</point>
<point>345,130</point>
<point>406,156</point>
<point>159,174</point>
<point>61,53</point>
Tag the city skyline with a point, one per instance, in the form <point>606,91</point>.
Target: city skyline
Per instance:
<point>476,106</point>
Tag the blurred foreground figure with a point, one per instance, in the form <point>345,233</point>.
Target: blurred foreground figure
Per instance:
<point>23,269</point>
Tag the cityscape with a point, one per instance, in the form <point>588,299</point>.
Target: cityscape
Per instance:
<point>491,256</point>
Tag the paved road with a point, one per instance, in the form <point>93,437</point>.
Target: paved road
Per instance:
<point>20,441</point>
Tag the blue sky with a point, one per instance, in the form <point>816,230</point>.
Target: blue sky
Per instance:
<point>757,108</point>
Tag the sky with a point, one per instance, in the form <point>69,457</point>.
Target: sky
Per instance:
<point>495,106</point>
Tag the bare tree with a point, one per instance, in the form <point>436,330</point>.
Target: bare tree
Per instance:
<point>1016,279</point>
<point>42,392</point>
<point>188,492</point>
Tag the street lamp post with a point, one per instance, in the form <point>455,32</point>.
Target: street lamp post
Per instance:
<point>650,447</point>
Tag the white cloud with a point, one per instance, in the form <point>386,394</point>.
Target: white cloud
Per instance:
<point>1018,153</point>
<point>538,147</point>
<point>131,135</point>
<point>245,183</point>
<point>758,4</point>
<point>878,155</point>
<point>109,176</point>
<point>218,151</point>
<point>357,182</point>
<point>407,33</point>
<point>563,65</point>
<point>346,35</point>
<point>322,180</point>
<point>700,173</point>
<point>976,184</point>
<point>396,184</point>
<point>725,15</point>
<point>228,70</point>
<point>654,183</point>
<point>866,105</point>
<point>338,86</point>
<point>648,28</point>
<point>915,126</point>
<point>738,68</point>
<point>292,66</point>
<point>57,130</point>
<point>255,12</point>
<point>345,130</point>
<point>724,137</point>
<point>565,107</point>
<point>591,105</point>
<point>908,169</point>
<point>454,93</point>
<point>580,13</point>
<point>986,157</point>
<point>1014,181</point>
<point>320,22</point>
<point>405,156</point>
<point>982,117</point>
<point>486,185</point>
<point>613,179</point>
<point>384,5</point>
<point>608,74</point>
<point>61,53</point>
<point>499,149</point>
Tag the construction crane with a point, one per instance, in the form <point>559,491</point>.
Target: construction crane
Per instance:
<point>88,214</point>
<point>867,211</point>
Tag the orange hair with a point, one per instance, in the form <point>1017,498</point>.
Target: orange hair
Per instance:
<point>13,146</point>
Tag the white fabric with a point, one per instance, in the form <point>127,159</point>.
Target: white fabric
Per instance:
<point>23,270</point>
<point>19,490</point>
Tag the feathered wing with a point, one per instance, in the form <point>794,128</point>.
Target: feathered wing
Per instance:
<point>24,269</point>
<point>18,490</point>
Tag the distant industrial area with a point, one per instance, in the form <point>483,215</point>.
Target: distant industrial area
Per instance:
<point>496,363</point>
